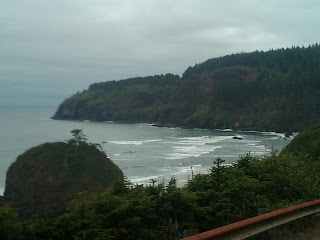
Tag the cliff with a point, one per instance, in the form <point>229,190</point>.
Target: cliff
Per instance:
<point>46,177</point>
<point>134,100</point>
<point>276,90</point>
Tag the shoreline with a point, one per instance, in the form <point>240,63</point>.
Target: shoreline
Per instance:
<point>170,125</point>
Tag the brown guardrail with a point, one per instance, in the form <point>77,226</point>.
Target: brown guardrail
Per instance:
<point>252,226</point>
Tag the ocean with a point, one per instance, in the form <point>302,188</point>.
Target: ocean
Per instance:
<point>142,151</point>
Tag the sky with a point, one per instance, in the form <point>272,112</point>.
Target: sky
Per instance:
<point>49,50</point>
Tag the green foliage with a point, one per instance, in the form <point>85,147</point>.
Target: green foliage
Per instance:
<point>276,90</point>
<point>228,193</point>
<point>225,195</point>
<point>135,99</point>
<point>78,137</point>
<point>307,142</point>
<point>10,226</point>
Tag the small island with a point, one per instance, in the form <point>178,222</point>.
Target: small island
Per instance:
<point>46,177</point>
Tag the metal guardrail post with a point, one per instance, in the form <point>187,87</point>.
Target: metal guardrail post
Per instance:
<point>252,226</point>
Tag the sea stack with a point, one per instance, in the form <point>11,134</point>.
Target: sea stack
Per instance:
<point>46,177</point>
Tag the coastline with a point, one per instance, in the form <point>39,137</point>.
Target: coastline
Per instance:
<point>172,125</point>
<point>179,149</point>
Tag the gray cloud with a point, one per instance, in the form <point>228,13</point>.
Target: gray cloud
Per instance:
<point>51,49</point>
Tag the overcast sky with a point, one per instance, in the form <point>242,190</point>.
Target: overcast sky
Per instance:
<point>52,49</point>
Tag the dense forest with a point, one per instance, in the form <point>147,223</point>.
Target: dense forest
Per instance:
<point>162,211</point>
<point>277,90</point>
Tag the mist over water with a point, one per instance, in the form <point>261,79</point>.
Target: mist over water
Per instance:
<point>142,151</point>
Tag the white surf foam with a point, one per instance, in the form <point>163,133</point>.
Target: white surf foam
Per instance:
<point>198,141</point>
<point>190,151</point>
<point>251,141</point>
<point>248,131</point>
<point>226,130</point>
<point>190,138</point>
<point>152,140</point>
<point>197,165</point>
<point>127,142</point>
<point>185,147</point>
<point>135,142</point>
<point>280,135</point>
<point>273,138</point>
<point>183,170</point>
<point>254,146</point>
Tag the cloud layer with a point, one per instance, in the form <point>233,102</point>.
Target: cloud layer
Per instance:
<point>51,49</point>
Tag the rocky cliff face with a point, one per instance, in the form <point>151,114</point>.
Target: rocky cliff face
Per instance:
<point>46,177</point>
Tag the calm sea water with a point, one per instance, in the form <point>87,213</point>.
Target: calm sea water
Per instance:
<point>142,151</point>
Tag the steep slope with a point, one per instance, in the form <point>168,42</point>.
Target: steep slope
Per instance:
<point>306,142</point>
<point>46,177</point>
<point>134,100</point>
<point>275,90</point>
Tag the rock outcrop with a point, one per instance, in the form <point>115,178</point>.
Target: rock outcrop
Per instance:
<point>46,177</point>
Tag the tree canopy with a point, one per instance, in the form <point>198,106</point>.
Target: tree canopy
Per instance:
<point>277,90</point>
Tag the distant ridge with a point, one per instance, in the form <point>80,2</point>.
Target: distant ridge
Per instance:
<point>277,90</point>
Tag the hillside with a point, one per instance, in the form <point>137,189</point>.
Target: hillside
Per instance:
<point>307,142</point>
<point>46,177</point>
<point>276,90</point>
<point>134,100</point>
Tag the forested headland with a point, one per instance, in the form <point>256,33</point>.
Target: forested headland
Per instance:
<point>276,90</point>
<point>157,211</point>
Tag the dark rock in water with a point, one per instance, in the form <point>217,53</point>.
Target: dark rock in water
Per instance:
<point>288,134</point>
<point>46,177</point>
<point>237,138</point>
